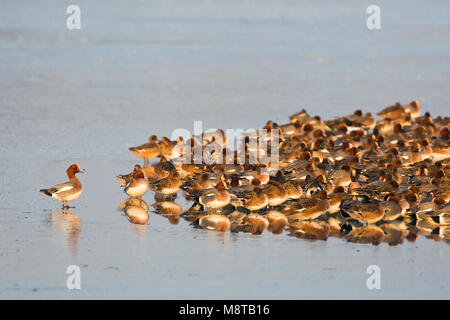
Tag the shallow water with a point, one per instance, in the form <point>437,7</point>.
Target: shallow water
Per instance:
<point>85,96</point>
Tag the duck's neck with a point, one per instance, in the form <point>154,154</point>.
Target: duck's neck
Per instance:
<point>73,178</point>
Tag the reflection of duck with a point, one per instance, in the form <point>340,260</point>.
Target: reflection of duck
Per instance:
<point>66,191</point>
<point>394,233</point>
<point>216,222</point>
<point>254,223</point>
<point>173,218</point>
<point>135,209</point>
<point>366,234</point>
<point>136,202</point>
<point>136,215</point>
<point>310,230</point>
<point>70,224</point>
<point>236,218</point>
<point>441,233</point>
<point>277,221</point>
<point>167,207</point>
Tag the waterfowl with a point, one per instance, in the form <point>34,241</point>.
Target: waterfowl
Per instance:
<point>147,150</point>
<point>414,155</point>
<point>307,208</point>
<point>387,172</point>
<point>377,188</point>
<point>255,200</point>
<point>300,117</point>
<point>413,109</point>
<point>67,191</point>
<point>151,174</point>
<point>340,177</point>
<point>367,210</point>
<point>138,185</point>
<point>430,208</point>
<point>171,149</point>
<point>169,185</point>
<point>124,179</point>
<point>276,193</point>
<point>215,198</point>
<point>392,210</point>
<point>187,170</point>
<point>336,198</point>
<point>163,168</point>
<point>440,152</point>
<point>392,112</point>
<point>427,150</point>
<point>202,182</point>
<point>354,185</point>
<point>293,189</point>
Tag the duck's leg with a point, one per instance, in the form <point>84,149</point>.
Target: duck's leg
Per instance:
<point>63,204</point>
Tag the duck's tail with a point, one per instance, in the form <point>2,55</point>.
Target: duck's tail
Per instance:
<point>122,180</point>
<point>45,191</point>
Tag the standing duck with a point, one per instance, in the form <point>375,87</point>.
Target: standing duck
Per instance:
<point>147,150</point>
<point>67,191</point>
<point>171,149</point>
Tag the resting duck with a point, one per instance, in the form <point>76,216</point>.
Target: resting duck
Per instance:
<point>67,191</point>
<point>138,186</point>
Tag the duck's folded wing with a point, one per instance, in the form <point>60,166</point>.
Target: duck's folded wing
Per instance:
<point>62,187</point>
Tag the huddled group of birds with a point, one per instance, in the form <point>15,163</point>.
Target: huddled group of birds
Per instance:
<point>353,177</point>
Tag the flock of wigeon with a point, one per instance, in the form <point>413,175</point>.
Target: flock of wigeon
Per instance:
<point>355,177</point>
